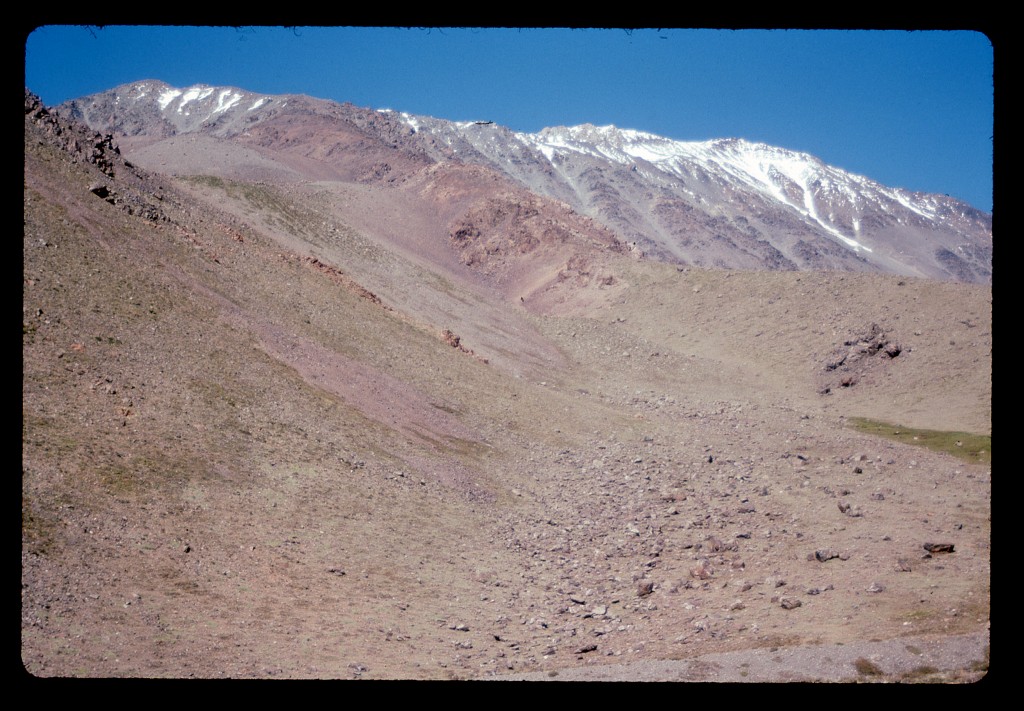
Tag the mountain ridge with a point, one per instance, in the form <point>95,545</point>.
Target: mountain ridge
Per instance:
<point>724,202</point>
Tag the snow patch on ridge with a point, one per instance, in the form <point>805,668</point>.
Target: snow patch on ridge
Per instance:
<point>898,196</point>
<point>196,93</point>
<point>167,97</point>
<point>410,121</point>
<point>224,103</point>
<point>779,174</point>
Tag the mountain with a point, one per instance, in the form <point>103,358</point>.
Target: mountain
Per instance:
<point>727,203</point>
<point>301,400</point>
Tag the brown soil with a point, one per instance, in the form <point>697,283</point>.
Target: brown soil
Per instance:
<point>237,464</point>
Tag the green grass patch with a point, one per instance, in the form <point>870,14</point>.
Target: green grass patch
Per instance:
<point>973,448</point>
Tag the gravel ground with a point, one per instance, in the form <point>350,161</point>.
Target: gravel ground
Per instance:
<point>237,461</point>
<point>904,659</point>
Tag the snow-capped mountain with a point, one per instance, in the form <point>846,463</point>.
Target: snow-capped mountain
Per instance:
<point>774,207</point>
<point>728,203</point>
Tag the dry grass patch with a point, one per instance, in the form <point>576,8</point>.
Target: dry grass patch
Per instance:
<point>866,667</point>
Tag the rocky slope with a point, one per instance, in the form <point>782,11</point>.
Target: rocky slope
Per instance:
<point>279,422</point>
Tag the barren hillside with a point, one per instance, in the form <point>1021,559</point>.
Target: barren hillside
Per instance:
<point>282,423</point>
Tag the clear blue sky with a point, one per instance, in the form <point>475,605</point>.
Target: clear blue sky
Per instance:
<point>908,109</point>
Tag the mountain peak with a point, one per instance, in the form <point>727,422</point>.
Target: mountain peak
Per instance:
<point>726,202</point>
